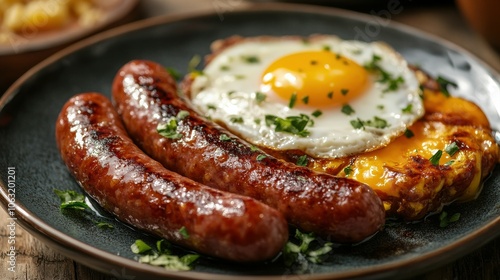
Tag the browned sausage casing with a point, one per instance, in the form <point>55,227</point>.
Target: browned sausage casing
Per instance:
<point>339,209</point>
<point>141,192</point>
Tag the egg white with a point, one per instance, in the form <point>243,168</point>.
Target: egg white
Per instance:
<point>226,92</point>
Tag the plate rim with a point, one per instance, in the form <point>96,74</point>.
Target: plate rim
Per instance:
<point>421,263</point>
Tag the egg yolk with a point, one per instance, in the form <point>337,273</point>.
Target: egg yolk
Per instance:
<point>318,78</point>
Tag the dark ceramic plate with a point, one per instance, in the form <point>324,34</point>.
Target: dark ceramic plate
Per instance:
<point>28,149</point>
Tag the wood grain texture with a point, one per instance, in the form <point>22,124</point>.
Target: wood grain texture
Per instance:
<point>36,260</point>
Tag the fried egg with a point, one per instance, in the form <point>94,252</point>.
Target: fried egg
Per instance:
<point>325,96</point>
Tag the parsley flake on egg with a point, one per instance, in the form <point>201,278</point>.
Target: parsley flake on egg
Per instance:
<point>444,84</point>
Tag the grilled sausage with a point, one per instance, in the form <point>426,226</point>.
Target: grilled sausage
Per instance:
<point>337,209</point>
<point>141,192</point>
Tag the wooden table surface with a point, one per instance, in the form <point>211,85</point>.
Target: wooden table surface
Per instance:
<point>35,260</point>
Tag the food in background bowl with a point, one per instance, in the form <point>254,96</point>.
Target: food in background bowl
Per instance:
<point>20,16</point>
<point>39,24</point>
<point>30,31</point>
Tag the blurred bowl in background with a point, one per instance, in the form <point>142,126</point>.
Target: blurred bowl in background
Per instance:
<point>484,17</point>
<point>20,51</point>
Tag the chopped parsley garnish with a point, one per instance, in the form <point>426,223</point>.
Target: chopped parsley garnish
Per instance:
<point>257,121</point>
<point>444,220</point>
<point>236,119</point>
<point>162,256</point>
<point>357,123</point>
<point>229,93</point>
<point>356,51</point>
<point>314,62</point>
<point>373,64</point>
<point>317,113</point>
<point>305,99</point>
<point>293,99</point>
<point>309,248</point>
<point>76,201</point>
<point>104,225</point>
<point>224,137</point>
<point>407,109</point>
<point>170,262</point>
<point>380,107</point>
<point>182,114</point>
<point>183,231</point>
<point>291,124</point>
<point>326,48</point>
<point>254,148</point>
<point>347,109</point>
<point>348,170</point>
<point>302,160</point>
<point>173,72</point>
<point>443,85</point>
<point>452,149</point>
<point>311,123</point>
<point>377,122</point>
<point>344,91</point>
<point>250,58</point>
<point>392,84</point>
<point>260,97</point>
<point>224,68</point>
<point>330,95</point>
<point>436,157</point>
<point>211,107</point>
<point>409,133</point>
<point>140,247</point>
<point>169,129</point>
<point>239,77</point>
<point>193,63</point>
<point>261,157</point>
<point>163,246</point>
<point>71,200</point>
<point>386,77</point>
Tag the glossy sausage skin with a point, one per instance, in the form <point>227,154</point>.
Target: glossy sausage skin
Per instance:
<point>338,209</point>
<point>140,191</point>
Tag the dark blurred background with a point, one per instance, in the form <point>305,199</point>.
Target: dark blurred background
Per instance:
<point>443,18</point>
